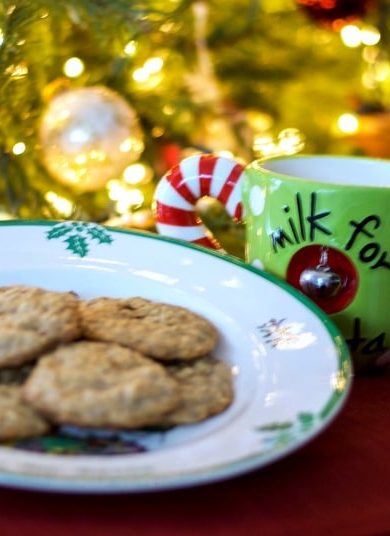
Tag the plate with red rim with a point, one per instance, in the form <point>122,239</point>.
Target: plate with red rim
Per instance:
<point>291,368</point>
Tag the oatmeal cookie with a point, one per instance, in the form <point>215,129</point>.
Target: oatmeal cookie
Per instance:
<point>33,320</point>
<point>100,384</point>
<point>19,345</point>
<point>18,419</point>
<point>206,389</point>
<point>159,330</point>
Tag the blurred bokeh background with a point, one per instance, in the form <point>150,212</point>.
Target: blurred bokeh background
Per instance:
<point>99,98</point>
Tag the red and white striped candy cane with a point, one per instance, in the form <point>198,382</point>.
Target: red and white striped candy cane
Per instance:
<point>179,190</point>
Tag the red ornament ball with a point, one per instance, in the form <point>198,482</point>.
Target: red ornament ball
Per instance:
<point>328,12</point>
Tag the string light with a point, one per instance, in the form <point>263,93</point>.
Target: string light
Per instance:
<point>351,36</point>
<point>137,174</point>
<point>370,36</point>
<point>19,148</point>
<point>6,215</point>
<point>149,75</point>
<point>17,71</point>
<point>157,132</point>
<point>129,200</point>
<point>382,71</point>
<point>140,75</point>
<point>131,144</point>
<point>259,121</point>
<point>264,145</point>
<point>289,141</point>
<point>73,67</point>
<point>130,48</point>
<point>61,204</point>
<point>126,198</point>
<point>154,65</point>
<point>168,109</point>
<point>348,123</point>
<point>115,189</point>
<point>225,154</point>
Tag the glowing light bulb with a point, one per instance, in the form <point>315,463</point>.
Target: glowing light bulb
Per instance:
<point>1,37</point>
<point>130,48</point>
<point>19,148</point>
<point>157,132</point>
<point>73,67</point>
<point>141,75</point>
<point>137,173</point>
<point>264,145</point>
<point>17,71</point>
<point>150,74</point>
<point>370,36</point>
<point>131,144</point>
<point>382,71</point>
<point>115,189</point>
<point>61,204</point>
<point>225,153</point>
<point>168,109</point>
<point>81,159</point>
<point>290,141</point>
<point>130,199</point>
<point>259,121</point>
<point>348,123</point>
<point>351,36</point>
<point>154,65</point>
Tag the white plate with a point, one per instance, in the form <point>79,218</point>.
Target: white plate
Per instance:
<point>291,367</point>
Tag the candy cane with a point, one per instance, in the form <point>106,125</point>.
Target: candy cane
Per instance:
<point>179,190</point>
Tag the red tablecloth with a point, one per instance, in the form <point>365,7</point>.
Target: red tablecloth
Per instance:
<point>339,484</point>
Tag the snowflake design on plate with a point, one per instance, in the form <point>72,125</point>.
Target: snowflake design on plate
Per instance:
<point>285,335</point>
<point>79,236</point>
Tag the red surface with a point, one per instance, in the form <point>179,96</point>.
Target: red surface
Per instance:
<point>339,484</point>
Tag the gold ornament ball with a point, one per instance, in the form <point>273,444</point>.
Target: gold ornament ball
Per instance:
<point>88,136</point>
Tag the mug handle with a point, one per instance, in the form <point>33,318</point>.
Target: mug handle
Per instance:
<point>180,188</point>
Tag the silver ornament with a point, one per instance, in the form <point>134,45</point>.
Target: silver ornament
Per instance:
<point>88,136</point>
<point>321,281</point>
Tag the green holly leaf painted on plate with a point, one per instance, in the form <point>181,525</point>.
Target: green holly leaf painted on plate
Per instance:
<point>78,245</point>
<point>61,445</point>
<point>274,426</point>
<point>283,438</point>
<point>306,420</point>
<point>99,234</point>
<point>58,231</point>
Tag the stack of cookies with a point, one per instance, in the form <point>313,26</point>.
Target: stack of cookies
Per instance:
<point>107,362</point>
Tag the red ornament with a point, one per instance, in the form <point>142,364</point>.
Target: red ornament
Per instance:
<point>324,274</point>
<point>171,154</point>
<point>329,12</point>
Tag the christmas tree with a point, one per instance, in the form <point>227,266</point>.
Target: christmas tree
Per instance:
<point>100,97</point>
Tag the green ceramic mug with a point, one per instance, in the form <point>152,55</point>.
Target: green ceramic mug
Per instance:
<point>322,223</point>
